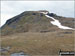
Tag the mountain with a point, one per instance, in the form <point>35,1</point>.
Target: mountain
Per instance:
<point>33,21</point>
<point>37,33</point>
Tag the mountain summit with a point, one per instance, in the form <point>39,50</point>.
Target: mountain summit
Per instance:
<point>34,21</point>
<point>37,33</point>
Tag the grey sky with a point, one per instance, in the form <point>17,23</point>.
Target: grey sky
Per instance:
<point>10,9</point>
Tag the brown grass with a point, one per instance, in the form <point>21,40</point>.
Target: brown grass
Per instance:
<point>39,43</point>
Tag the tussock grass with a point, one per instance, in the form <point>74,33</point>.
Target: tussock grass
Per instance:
<point>39,43</point>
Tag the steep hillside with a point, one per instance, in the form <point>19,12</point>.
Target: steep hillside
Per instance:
<point>33,21</point>
<point>27,21</point>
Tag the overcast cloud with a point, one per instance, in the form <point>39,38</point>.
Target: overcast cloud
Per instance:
<point>10,9</point>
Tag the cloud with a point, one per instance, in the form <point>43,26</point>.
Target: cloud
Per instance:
<point>12,8</point>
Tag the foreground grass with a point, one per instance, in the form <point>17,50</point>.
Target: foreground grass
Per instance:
<point>38,43</point>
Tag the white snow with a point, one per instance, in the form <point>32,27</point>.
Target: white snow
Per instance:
<point>57,23</point>
<point>44,12</point>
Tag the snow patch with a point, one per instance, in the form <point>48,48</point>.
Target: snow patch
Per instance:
<point>44,12</point>
<point>57,23</point>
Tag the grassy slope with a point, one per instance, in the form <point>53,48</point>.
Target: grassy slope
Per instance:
<point>39,43</point>
<point>30,21</point>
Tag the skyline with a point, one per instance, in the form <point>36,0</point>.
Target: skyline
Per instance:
<point>10,9</point>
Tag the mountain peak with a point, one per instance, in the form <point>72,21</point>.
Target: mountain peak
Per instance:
<point>33,21</point>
